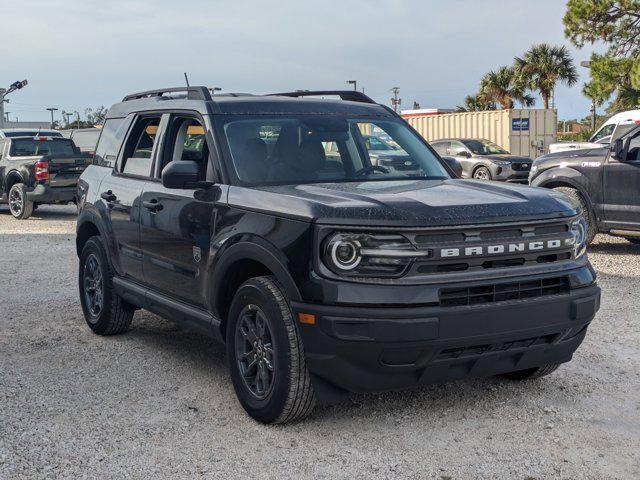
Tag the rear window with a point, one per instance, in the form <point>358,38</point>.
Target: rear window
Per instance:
<point>87,140</point>
<point>28,147</point>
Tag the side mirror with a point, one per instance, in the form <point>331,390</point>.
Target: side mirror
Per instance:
<point>453,164</point>
<point>617,150</point>
<point>463,153</point>
<point>180,174</point>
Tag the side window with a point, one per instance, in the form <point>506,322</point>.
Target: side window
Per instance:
<point>633,153</point>
<point>605,131</point>
<point>441,147</point>
<point>137,158</point>
<point>111,139</point>
<point>456,148</point>
<point>185,140</point>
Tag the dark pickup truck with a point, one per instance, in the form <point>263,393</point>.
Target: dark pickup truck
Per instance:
<point>37,170</point>
<point>604,181</point>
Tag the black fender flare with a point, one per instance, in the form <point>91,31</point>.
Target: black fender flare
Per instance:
<point>88,215</point>
<point>565,175</point>
<point>258,250</point>
<point>12,174</point>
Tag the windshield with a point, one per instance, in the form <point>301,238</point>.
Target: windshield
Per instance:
<point>282,149</point>
<point>484,147</point>
<point>28,147</point>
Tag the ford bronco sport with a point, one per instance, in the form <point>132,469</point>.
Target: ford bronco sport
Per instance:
<point>323,274</point>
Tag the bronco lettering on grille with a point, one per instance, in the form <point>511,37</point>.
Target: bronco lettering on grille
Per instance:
<point>504,248</point>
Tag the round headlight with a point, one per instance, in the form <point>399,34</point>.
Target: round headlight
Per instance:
<point>345,254</point>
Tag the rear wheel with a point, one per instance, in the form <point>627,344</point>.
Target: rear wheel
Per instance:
<point>19,206</point>
<point>482,173</point>
<point>266,356</point>
<point>531,373</point>
<point>578,200</point>
<point>105,312</point>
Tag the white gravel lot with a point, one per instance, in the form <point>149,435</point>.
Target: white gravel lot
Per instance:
<point>157,402</point>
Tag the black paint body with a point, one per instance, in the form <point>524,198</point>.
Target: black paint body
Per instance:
<point>186,260</point>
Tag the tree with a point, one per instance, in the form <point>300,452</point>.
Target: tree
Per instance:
<point>474,103</point>
<point>97,116</point>
<point>505,87</point>
<point>616,72</point>
<point>543,66</point>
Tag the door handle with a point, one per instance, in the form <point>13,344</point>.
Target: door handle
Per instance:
<point>152,205</point>
<point>108,196</point>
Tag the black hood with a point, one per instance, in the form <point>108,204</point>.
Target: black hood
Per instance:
<point>410,203</point>
<point>570,157</point>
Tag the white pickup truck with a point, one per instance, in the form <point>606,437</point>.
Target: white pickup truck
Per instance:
<point>602,137</point>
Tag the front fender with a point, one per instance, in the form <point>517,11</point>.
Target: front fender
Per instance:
<point>566,176</point>
<point>248,247</point>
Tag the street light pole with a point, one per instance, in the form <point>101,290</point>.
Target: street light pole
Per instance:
<point>6,91</point>
<point>52,109</point>
<point>354,83</point>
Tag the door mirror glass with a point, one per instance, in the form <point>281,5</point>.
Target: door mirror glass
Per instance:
<point>463,153</point>
<point>617,150</point>
<point>181,174</point>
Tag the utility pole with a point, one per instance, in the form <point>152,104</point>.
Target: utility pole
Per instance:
<point>78,119</point>
<point>52,109</point>
<point>354,83</point>
<point>7,114</point>
<point>396,101</point>
<point>66,116</point>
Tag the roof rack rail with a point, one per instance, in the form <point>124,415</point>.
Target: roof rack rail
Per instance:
<point>193,93</point>
<point>347,95</point>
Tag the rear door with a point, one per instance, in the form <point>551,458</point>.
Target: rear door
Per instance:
<point>121,193</point>
<point>622,181</point>
<point>177,224</point>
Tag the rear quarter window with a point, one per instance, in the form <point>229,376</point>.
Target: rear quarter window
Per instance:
<point>110,141</point>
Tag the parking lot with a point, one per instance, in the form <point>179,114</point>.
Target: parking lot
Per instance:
<point>158,402</point>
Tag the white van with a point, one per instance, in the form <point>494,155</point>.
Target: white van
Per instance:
<point>602,137</point>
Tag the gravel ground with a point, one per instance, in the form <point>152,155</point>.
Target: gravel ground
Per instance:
<point>158,401</point>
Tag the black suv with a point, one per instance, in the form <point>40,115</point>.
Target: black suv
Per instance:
<point>604,182</point>
<point>324,274</point>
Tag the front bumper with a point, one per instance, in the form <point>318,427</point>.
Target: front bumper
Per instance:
<point>362,349</point>
<point>48,194</point>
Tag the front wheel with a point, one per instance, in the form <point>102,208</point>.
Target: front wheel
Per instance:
<point>482,173</point>
<point>266,356</point>
<point>579,201</point>
<point>20,207</point>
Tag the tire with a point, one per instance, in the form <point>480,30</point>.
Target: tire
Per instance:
<point>531,373</point>
<point>578,200</point>
<point>108,314</point>
<point>482,173</point>
<point>19,206</point>
<point>266,356</point>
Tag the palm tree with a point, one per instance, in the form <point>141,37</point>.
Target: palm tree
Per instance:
<point>476,102</point>
<point>505,87</point>
<point>543,66</point>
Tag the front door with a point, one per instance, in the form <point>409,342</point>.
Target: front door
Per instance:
<point>176,224</point>
<point>622,185</point>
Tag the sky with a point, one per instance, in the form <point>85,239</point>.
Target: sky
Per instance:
<point>80,54</point>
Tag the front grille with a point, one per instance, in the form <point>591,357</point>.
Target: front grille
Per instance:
<point>478,350</point>
<point>500,292</point>
<point>399,163</point>
<point>478,248</point>
<point>520,167</point>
